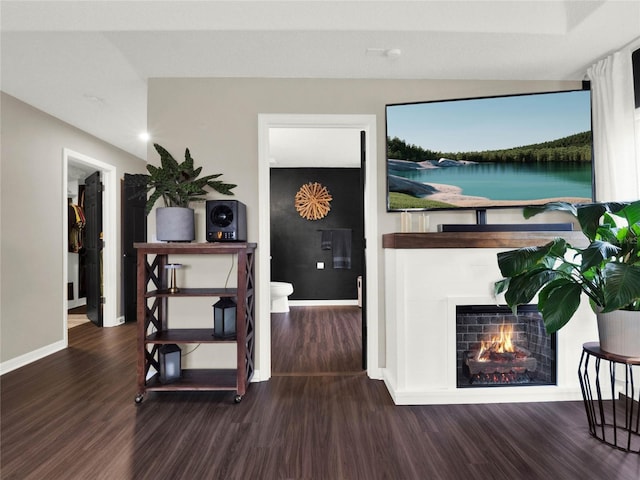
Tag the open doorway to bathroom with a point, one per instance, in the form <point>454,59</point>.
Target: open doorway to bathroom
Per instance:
<point>319,252</point>
<point>371,345</point>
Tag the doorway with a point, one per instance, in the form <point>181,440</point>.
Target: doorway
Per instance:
<point>366,123</point>
<point>74,161</point>
<point>318,333</point>
<point>76,258</point>
<point>317,340</point>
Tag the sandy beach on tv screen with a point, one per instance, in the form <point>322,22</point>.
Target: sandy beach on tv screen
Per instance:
<point>452,195</point>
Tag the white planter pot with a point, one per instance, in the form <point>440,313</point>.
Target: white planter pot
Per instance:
<point>619,332</point>
<point>175,224</point>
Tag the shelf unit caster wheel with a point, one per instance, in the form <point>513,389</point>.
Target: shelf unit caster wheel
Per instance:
<point>237,399</point>
<point>139,399</point>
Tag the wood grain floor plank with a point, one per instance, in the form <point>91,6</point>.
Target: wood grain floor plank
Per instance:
<point>316,340</point>
<point>72,416</point>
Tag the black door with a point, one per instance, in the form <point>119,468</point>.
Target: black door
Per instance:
<point>93,246</point>
<point>134,229</point>
<point>363,284</point>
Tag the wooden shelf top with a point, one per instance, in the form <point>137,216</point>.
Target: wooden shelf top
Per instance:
<point>187,247</point>
<point>194,292</point>
<point>479,239</point>
<point>187,335</point>
<point>198,379</point>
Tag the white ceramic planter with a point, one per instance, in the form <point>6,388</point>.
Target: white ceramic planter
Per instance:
<point>619,332</point>
<point>175,224</point>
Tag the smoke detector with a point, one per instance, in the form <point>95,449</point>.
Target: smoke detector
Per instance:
<point>386,52</point>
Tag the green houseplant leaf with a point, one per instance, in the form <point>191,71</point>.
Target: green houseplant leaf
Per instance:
<point>515,262</point>
<point>622,283</point>
<point>607,271</point>
<point>557,303</point>
<point>179,184</point>
<point>597,253</point>
<point>632,213</point>
<point>524,287</point>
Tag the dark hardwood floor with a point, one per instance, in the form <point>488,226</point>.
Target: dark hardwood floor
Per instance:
<point>72,416</point>
<point>316,340</point>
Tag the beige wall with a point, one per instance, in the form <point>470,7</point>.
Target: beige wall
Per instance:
<point>217,118</point>
<point>31,198</point>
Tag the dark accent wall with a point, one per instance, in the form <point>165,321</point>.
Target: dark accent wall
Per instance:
<point>295,242</point>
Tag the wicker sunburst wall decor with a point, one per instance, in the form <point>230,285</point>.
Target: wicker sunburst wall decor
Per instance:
<point>313,201</point>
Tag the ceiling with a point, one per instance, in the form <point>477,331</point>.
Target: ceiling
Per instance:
<point>88,62</point>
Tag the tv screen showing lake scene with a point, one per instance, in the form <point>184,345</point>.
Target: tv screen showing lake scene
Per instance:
<point>505,151</point>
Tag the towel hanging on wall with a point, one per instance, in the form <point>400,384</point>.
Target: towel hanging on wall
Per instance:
<point>338,240</point>
<point>325,239</point>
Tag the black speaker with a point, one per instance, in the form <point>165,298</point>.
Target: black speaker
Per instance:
<point>226,221</point>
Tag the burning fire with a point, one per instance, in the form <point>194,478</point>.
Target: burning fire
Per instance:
<point>498,344</point>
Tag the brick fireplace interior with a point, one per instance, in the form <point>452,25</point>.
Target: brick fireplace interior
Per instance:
<point>482,358</point>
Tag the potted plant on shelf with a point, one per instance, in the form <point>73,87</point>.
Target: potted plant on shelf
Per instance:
<point>607,271</point>
<point>178,185</point>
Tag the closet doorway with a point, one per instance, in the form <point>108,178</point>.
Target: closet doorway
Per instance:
<point>76,252</point>
<point>77,168</point>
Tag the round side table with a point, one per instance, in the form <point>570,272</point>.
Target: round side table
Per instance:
<point>613,414</point>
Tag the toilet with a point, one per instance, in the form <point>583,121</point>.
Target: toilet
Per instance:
<point>280,292</point>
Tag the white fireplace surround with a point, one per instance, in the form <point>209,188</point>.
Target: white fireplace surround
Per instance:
<point>423,288</point>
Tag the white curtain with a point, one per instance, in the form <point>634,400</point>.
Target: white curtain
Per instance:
<point>616,164</point>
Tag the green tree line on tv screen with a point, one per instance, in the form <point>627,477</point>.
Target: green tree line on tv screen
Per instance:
<point>574,148</point>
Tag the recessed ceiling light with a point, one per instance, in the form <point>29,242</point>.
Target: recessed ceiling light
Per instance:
<point>144,136</point>
<point>393,53</point>
<point>94,99</point>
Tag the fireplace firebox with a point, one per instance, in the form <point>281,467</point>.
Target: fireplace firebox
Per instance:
<point>495,347</point>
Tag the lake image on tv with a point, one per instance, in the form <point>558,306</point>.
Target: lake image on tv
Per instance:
<point>511,181</point>
<point>505,151</point>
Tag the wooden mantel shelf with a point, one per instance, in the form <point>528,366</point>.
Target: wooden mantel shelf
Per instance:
<point>479,239</point>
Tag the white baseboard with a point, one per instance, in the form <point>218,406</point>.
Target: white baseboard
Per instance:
<point>375,373</point>
<point>319,303</point>
<point>27,358</point>
<point>78,302</point>
<point>474,396</point>
<point>114,323</point>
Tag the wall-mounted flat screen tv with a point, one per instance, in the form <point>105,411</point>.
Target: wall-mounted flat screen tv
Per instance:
<point>479,153</point>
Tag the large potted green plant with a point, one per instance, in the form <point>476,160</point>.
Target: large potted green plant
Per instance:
<point>607,271</point>
<point>178,185</point>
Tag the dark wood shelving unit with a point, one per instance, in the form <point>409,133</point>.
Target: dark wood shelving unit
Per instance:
<point>152,308</point>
